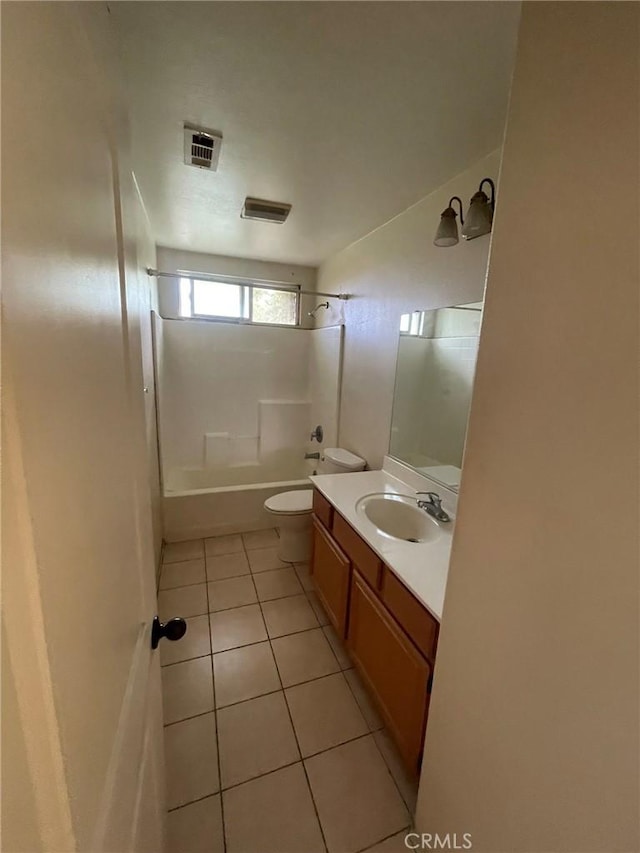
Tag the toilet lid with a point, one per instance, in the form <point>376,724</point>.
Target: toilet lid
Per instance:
<point>291,502</point>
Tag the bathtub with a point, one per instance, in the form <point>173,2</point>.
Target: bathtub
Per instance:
<point>213,502</point>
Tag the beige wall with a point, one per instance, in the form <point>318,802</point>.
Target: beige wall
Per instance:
<point>532,743</point>
<point>77,576</point>
<point>396,269</point>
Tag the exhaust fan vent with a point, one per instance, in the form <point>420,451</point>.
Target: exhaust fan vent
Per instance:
<point>265,211</point>
<point>201,147</point>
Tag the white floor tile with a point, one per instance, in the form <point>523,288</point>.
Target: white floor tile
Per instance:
<point>324,714</point>
<point>407,785</point>
<point>232,592</point>
<point>338,647</point>
<point>301,657</point>
<point>265,560</point>
<point>196,828</point>
<point>223,545</point>
<point>240,626</point>
<point>187,689</point>
<point>195,643</point>
<point>260,539</point>
<point>244,673</point>
<point>277,584</point>
<point>184,601</point>
<point>183,573</point>
<point>227,566</point>
<point>288,615</point>
<point>191,549</point>
<point>272,814</point>
<point>191,757</point>
<point>254,738</point>
<point>356,797</point>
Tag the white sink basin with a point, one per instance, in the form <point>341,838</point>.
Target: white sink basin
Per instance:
<point>399,517</point>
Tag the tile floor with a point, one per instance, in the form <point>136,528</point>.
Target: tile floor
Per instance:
<point>272,744</point>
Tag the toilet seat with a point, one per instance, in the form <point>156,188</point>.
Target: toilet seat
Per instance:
<point>298,502</point>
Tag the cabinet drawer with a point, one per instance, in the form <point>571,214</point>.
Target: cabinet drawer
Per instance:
<point>392,668</point>
<point>410,613</point>
<point>322,509</point>
<point>331,572</point>
<point>368,563</point>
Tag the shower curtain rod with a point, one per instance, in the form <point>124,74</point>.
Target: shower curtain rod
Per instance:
<point>263,285</point>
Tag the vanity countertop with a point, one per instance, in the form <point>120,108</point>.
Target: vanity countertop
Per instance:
<point>421,566</point>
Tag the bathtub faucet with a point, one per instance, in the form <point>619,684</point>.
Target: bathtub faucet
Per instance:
<point>312,456</point>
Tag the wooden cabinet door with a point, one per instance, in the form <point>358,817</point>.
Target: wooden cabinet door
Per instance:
<point>330,571</point>
<point>393,669</point>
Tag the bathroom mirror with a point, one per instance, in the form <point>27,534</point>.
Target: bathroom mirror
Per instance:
<point>437,353</point>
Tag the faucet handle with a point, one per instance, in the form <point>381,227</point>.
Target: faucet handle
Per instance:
<point>434,497</point>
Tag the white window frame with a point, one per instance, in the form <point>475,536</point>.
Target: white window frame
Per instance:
<point>246,300</point>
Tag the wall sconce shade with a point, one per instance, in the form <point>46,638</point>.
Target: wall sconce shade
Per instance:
<point>480,213</point>
<point>447,233</point>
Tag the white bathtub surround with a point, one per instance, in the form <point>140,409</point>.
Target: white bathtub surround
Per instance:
<point>212,379</point>
<point>236,407</point>
<point>240,396</point>
<point>201,513</point>
<point>282,429</point>
<point>325,380</point>
<point>421,566</point>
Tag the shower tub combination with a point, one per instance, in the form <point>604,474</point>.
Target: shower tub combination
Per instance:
<point>236,406</point>
<point>198,503</point>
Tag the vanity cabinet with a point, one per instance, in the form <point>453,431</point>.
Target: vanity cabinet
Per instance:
<point>331,572</point>
<point>390,636</point>
<point>395,672</point>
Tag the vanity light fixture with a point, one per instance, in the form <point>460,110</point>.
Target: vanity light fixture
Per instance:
<point>480,213</point>
<point>447,233</point>
<point>477,222</point>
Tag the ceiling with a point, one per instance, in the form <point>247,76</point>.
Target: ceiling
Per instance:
<point>349,111</point>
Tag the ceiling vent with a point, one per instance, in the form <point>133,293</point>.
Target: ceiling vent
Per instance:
<point>201,147</point>
<point>265,211</point>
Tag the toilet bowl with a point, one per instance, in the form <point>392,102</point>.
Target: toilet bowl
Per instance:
<point>291,511</point>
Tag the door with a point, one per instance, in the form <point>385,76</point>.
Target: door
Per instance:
<point>392,667</point>
<point>331,577</point>
<point>78,578</point>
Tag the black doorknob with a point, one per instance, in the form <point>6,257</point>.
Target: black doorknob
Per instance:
<point>172,629</point>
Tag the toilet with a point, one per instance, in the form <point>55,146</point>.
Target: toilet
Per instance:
<point>291,511</point>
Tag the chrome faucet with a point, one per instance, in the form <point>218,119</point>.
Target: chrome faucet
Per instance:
<point>433,506</point>
<point>312,456</point>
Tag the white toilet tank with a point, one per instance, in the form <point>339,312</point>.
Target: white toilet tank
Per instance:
<point>335,460</point>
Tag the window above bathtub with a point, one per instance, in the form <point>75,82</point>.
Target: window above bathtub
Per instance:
<point>240,302</point>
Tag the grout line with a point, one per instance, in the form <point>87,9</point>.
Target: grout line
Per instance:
<point>393,778</point>
<point>182,586</point>
<point>183,559</point>
<point>213,682</point>
<point>217,793</point>
<point>300,760</point>
<point>404,829</point>
<point>293,728</point>
<point>190,717</point>
<point>186,660</point>
<point>257,601</point>
<point>336,746</point>
<point>260,776</point>
<point>358,703</point>
<point>283,690</point>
